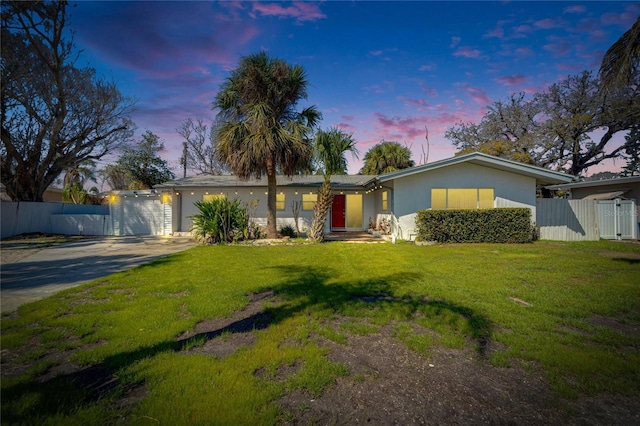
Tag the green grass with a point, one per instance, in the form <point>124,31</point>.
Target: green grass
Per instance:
<point>536,302</point>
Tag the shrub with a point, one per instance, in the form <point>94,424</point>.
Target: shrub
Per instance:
<point>288,231</point>
<point>504,225</point>
<point>220,220</point>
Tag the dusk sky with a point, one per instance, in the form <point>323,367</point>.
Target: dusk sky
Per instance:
<point>379,70</point>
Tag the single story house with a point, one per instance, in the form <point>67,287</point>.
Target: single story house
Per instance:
<point>474,180</point>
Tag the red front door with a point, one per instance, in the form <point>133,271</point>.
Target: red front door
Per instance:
<point>337,212</point>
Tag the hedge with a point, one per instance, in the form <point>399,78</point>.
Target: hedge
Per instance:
<point>503,225</point>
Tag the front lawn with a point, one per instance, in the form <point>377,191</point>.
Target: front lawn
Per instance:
<point>248,335</point>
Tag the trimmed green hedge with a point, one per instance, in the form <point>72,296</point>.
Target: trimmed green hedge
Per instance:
<point>504,225</point>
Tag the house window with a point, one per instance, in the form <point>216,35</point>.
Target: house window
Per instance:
<point>309,201</point>
<point>385,200</point>
<point>211,197</point>
<point>461,198</point>
<point>280,201</point>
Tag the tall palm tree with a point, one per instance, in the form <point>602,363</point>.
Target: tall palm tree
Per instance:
<point>621,62</point>
<point>330,148</point>
<point>261,131</point>
<point>386,157</point>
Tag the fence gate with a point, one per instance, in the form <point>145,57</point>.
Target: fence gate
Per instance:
<point>617,219</point>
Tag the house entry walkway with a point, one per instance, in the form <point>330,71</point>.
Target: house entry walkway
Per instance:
<point>353,237</point>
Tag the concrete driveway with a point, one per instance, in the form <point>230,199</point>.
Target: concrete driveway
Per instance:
<point>67,265</point>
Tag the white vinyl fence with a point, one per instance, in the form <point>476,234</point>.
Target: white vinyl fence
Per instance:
<point>586,220</point>
<point>130,213</point>
<point>53,218</point>
<point>617,219</point>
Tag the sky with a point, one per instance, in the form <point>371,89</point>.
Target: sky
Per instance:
<point>380,70</point>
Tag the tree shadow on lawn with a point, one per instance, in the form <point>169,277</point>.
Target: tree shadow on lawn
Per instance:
<point>307,289</point>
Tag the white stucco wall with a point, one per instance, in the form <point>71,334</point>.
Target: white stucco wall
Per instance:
<point>413,193</point>
<point>183,206</point>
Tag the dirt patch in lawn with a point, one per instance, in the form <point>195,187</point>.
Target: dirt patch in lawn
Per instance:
<point>387,383</point>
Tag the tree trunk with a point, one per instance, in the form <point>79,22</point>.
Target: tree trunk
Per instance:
<point>320,212</point>
<point>272,232</point>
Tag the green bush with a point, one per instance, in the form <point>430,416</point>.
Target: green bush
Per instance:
<point>220,220</point>
<point>504,225</point>
<point>288,231</point>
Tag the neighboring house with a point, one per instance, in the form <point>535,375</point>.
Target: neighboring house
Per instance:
<point>474,180</point>
<point>627,188</point>
<point>52,195</point>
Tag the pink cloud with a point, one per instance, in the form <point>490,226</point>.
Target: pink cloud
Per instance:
<point>524,51</point>
<point>301,11</point>
<point>523,29</point>
<point>349,128</point>
<point>546,24</point>
<point>414,102</point>
<point>467,52</point>
<point>495,33</point>
<point>624,19</point>
<point>512,80</point>
<point>578,8</point>
<point>558,46</point>
<point>399,128</point>
<point>454,42</point>
<point>498,32</point>
<point>427,67</point>
<point>427,90</point>
<point>476,93</point>
<point>385,87</point>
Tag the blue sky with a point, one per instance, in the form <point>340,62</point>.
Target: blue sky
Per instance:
<point>379,70</point>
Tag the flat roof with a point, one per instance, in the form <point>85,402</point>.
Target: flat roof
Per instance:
<point>597,183</point>
<point>337,181</point>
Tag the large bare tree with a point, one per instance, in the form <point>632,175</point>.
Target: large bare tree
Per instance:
<point>200,154</point>
<point>569,127</point>
<point>54,115</point>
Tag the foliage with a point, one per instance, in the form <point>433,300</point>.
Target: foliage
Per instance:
<point>386,157</point>
<point>554,129</point>
<point>621,62</point>
<point>288,231</point>
<point>74,180</point>
<point>142,165</point>
<point>632,153</point>
<point>117,177</point>
<point>330,147</point>
<point>200,147</point>
<point>261,132</point>
<point>220,221</point>
<point>505,225</point>
<point>577,330</point>
<point>54,115</point>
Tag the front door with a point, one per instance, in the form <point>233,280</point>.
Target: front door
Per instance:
<point>338,212</point>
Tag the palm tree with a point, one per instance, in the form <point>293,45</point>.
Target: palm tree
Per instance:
<point>74,180</point>
<point>330,148</point>
<point>386,157</point>
<point>621,61</point>
<point>261,131</point>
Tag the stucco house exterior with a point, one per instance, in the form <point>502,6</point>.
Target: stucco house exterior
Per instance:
<point>474,180</point>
